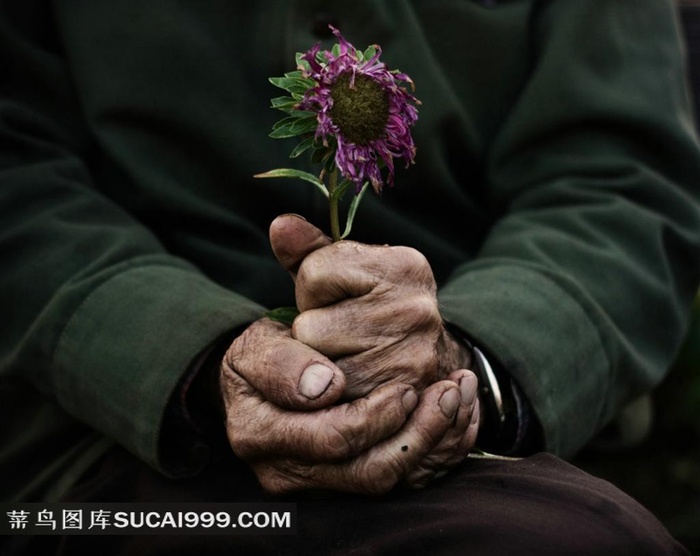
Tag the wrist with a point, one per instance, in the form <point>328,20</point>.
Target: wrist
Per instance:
<point>453,354</point>
<point>193,423</point>
<point>499,425</point>
<point>203,399</point>
<point>499,422</point>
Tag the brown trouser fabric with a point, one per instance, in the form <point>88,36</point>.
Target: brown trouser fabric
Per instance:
<point>538,505</point>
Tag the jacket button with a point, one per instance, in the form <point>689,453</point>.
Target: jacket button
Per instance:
<point>320,24</point>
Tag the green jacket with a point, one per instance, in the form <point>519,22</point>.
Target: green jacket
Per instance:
<point>555,194</point>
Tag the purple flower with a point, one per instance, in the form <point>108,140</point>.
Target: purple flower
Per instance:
<point>363,110</point>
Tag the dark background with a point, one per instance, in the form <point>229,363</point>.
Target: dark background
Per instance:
<point>662,471</point>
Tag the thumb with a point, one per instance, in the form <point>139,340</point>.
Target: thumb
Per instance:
<point>293,238</point>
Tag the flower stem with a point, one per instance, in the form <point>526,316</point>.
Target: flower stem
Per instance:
<point>333,204</point>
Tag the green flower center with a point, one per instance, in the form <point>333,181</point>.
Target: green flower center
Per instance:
<point>360,112</point>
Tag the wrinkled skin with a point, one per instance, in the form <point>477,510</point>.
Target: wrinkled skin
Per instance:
<point>367,390</point>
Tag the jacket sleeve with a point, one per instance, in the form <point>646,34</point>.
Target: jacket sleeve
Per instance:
<point>85,290</point>
<point>582,288</point>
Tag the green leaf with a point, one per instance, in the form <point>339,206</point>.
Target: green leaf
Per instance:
<point>293,112</point>
<point>283,102</point>
<point>302,147</point>
<point>293,173</point>
<point>282,132</point>
<point>281,82</point>
<point>353,209</point>
<point>285,315</point>
<point>293,84</point>
<point>305,124</point>
<point>299,114</point>
<point>335,50</point>
<point>285,130</point>
<point>339,191</point>
<point>370,52</point>
<point>301,62</point>
<point>293,126</point>
<point>288,121</point>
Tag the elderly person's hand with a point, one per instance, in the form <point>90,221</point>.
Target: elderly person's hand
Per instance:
<point>372,309</point>
<point>283,418</point>
<point>382,325</point>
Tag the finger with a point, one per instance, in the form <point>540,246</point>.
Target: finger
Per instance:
<point>438,464</point>
<point>358,324</point>
<point>350,269</point>
<point>380,468</point>
<point>461,437</point>
<point>258,429</point>
<point>292,238</point>
<point>285,371</point>
<point>458,440</point>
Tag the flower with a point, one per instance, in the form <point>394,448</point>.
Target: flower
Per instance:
<point>352,114</point>
<point>363,111</point>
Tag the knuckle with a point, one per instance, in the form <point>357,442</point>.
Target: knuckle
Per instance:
<point>379,478</point>
<point>411,257</point>
<point>416,311</point>
<point>420,477</point>
<point>414,261</point>
<point>273,482</point>
<point>424,310</point>
<point>236,350</point>
<point>286,476</point>
<point>302,327</point>
<point>337,444</point>
<point>248,344</point>
<point>312,268</point>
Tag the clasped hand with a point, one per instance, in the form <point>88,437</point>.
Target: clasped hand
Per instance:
<point>366,390</point>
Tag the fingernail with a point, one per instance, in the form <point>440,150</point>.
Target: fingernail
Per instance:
<point>449,402</point>
<point>409,401</point>
<point>468,384</point>
<point>315,380</point>
<point>296,216</point>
